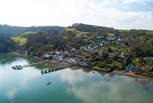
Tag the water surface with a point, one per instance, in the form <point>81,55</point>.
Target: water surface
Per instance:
<point>68,85</point>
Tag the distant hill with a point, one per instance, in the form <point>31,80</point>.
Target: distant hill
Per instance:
<point>15,30</point>
<point>6,44</point>
<point>92,28</point>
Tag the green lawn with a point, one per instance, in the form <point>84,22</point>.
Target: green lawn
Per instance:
<point>19,40</point>
<point>149,33</point>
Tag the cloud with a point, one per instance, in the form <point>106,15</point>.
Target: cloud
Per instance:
<point>114,91</point>
<point>66,12</point>
<point>11,94</point>
<point>14,81</point>
<point>73,77</point>
<point>135,1</point>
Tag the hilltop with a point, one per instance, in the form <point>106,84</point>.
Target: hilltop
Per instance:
<point>16,30</point>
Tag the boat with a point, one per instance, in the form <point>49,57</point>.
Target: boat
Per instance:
<point>17,67</point>
<point>49,83</point>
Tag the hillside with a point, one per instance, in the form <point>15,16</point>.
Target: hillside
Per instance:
<point>6,44</point>
<point>102,48</point>
<point>15,30</point>
<point>92,28</point>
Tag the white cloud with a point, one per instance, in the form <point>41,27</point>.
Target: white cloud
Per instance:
<point>19,80</point>
<point>11,94</point>
<point>73,77</point>
<point>117,90</point>
<point>135,1</point>
<point>67,12</point>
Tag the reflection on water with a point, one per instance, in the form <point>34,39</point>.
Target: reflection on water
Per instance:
<point>94,88</point>
<point>69,86</point>
<point>7,58</point>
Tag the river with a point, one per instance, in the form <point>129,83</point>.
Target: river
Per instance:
<point>68,85</point>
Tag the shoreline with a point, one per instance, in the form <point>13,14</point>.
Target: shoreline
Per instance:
<point>130,74</point>
<point>115,72</point>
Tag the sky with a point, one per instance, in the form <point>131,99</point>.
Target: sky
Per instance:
<point>122,14</point>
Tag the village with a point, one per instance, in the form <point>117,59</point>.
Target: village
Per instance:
<point>72,55</point>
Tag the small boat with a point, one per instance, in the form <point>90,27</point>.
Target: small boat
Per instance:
<point>17,67</point>
<point>49,83</point>
<point>42,72</point>
<point>13,67</point>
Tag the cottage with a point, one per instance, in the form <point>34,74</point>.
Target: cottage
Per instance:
<point>148,58</point>
<point>82,63</point>
<point>123,55</point>
<point>47,56</point>
<point>58,57</point>
<point>71,60</point>
<point>119,39</point>
<point>132,68</point>
<point>112,55</point>
<point>147,68</point>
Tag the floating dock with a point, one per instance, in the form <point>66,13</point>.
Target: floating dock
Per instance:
<point>52,70</point>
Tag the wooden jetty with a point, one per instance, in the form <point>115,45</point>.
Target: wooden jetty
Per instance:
<point>53,70</point>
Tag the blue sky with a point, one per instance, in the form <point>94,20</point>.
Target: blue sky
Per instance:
<point>147,5</point>
<point>124,14</point>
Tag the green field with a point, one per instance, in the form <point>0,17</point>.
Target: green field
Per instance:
<point>19,40</point>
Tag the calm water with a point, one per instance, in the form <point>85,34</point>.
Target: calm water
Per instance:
<point>68,86</point>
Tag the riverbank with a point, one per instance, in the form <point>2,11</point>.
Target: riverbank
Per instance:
<point>130,74</point>
<point>114,72</point>
<point>54,63</point>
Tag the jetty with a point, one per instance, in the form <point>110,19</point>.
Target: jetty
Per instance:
<point>53,69</point>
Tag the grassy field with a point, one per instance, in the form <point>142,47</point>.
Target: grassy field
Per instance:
<point>149,33</point>
<point>19,40</point>
<point>22,38</point>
